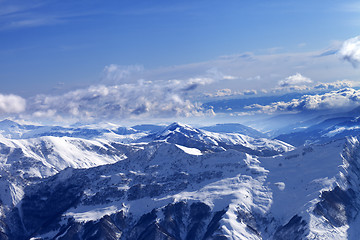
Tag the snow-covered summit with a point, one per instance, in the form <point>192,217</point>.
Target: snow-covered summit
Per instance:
<point>188,136</point>
<point>176,128</point>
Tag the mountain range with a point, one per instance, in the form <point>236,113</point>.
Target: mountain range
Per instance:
<point>226,181</point>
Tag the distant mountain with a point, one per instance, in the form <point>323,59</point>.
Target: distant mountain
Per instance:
<point>297,122</point>
<point>14,130</point>
<point>234,128</point>
<point>151,128</point>
<point>336,126</point>
<point>125,131</point>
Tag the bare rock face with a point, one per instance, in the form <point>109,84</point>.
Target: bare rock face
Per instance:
<point>177,221</point>
<point>295,228</point>
<point>337,206</point>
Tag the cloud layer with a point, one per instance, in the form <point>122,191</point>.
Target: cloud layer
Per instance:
<point>157,99</point>
<point>346,98</point>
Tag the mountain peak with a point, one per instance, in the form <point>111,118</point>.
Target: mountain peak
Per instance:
<point>179,128</point>
<point>8,123</point>
<point>176,125</point>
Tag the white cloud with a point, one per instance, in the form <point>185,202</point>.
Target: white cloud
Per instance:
<point>250,92</point>
<point>350,51</point>
<point>335,85</point>
<point>12,104</point>
<point>221,93</point>
<point>343,99</point>
<point>294,80</point>
<point>224,92</point>
<point>159,99</point>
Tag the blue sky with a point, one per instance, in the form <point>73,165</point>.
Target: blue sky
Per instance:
<point>43,43</point>
<point>54,47</point>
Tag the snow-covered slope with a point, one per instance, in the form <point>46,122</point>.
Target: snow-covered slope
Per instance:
<point>46,156</point>
<point>179,183</point>
<point>25,161</point>
<point>165,191</point>
<point>27,157</point>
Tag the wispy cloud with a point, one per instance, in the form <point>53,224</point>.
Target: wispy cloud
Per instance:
<point>157,10</point>
<point>25,14</point>
<point>7,10</point>
<point>350,7</point>
<point>117,74</point>
<point>11,8</point>
<point>22,14</point>
<point>17,14</point>
<point>35,22</point>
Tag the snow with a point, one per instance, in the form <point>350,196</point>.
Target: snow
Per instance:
<point>339,130</point>
<point>57,153</point>
<point>280,185</point>
<point>250,142</point>
<point>321,229</point>
<point>90,213</point>
<point>191,151</point>
<point>301,175</point>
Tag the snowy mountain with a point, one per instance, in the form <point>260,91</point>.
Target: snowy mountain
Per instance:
<point>178,183</point>
<point>234,128</point>
<point>329,129</point>
<point>210,141</point>
<point>12,129</point>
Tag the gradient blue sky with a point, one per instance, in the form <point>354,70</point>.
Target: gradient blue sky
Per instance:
<point>50,44</point>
